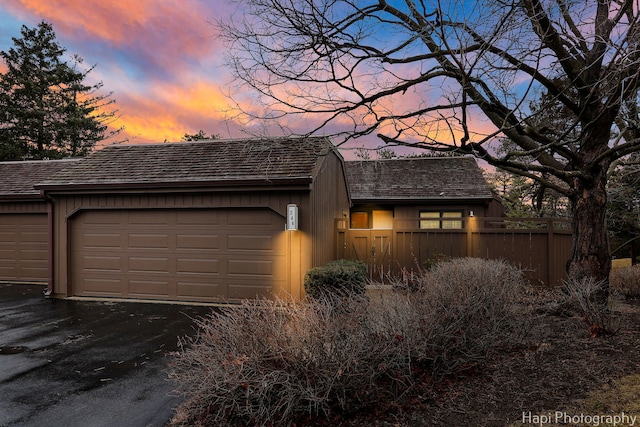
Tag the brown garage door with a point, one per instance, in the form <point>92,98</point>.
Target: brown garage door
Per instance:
<point>183,255</point>
<point>24,248</point>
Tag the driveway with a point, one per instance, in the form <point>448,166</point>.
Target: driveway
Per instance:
<point>86,363</point>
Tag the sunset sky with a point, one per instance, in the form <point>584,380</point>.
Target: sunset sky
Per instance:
<point>160,58</point>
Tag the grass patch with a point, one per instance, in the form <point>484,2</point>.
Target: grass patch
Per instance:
<point>626,281</point>
<point>620,399</point>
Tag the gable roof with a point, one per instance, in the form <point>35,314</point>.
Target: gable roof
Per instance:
<point>17,179</point>
<point>264,161</point>
<point>423,178</point>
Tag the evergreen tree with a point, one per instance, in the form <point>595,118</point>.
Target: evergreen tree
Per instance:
<point>47,109</point>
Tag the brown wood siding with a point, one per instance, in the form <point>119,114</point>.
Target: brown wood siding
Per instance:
<point>66,207</point>
<point>23,207</point>
<point>330,200</point>
<point>539,246</point>
<point>24,247</point>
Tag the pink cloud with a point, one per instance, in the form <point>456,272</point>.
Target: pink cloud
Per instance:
<point>165,34</point>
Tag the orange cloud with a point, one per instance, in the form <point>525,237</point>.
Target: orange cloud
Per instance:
<point>167,112</point>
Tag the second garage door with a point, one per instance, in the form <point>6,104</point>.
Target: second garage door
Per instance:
<point>24,247</point>
<point>183,255</point>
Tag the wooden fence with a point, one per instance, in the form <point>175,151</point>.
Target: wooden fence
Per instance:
<point>540,246</point>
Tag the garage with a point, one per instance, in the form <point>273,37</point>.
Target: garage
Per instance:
<point>24,247</point>
<point>200,221</point>
<point>24,220</point>
<point>179,254</point>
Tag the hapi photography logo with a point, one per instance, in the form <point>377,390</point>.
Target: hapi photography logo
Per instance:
<point>561,417</point>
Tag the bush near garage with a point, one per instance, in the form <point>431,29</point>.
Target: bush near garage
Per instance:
<point>335,278</point>
<point>315,361</point>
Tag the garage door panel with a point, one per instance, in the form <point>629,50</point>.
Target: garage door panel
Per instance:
<point>197,241</point>
<point>30,255</point>
<point>190,255</point>
<point>24,247</point>
<point>98,285</point>
<point>251,268</point>
<point>102,263</point>
<point>148,288</point>
<point>8,237</point>
<point>102,240</point>
<point>7,254</point>
<point>149,241</point>
<point>33,234</point>
<point>156,265</point>
<point>197,266</point>
<point>149,218</point>
<point>252,242</point>
<point>200,291</point>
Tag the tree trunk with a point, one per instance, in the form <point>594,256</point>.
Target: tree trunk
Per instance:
<point>590,253</point>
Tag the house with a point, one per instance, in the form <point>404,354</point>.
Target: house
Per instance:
<point>195,221</point>
<point>225,220</point>
<point>432,192</point>
<point>407,213</point>
<point>24,237</point>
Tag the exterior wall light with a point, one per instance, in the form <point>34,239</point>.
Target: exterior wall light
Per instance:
<point>292,217</point>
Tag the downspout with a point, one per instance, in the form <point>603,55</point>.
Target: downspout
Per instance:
<point>50,257</point>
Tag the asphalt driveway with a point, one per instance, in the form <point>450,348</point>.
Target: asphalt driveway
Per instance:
<point>84,363</point>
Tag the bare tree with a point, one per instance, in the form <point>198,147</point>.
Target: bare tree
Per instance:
<point>460,75</point>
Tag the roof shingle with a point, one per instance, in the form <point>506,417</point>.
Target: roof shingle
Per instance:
<point>18,178</point>
<point>211,161</point>
<point>422,178</point>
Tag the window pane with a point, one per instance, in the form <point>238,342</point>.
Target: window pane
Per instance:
<point>426,223</point>
<point>382,219</point>
<point>451,214</point>
<point>429,214</point>
<point>359,220</point>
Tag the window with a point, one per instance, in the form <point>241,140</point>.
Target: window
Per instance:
<point>359,220</point>
<point>451,220</point>
<point>382,219</point>
<point>372,219</point>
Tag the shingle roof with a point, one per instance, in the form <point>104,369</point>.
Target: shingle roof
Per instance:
<point>211,161</point>
<point>18,178</point>
<point>428,178</point>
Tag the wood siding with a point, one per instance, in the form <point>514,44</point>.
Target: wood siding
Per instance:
<point>541,247</point>
<point>329,201</point>
<point>23,207</point>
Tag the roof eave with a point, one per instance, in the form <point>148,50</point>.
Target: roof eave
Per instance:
<point>124,186</point>
<point>15,197</point>
<point>406,200</point>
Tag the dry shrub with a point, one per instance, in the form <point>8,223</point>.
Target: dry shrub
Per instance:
<point>626,280</point>
<point>278,363</point>
<point>468,308</point>
<point>584,298</point>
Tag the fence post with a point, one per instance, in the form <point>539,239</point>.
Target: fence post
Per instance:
<point>470,225</point>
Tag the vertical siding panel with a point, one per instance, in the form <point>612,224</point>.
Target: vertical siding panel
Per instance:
<point>329,199</point>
